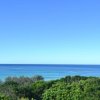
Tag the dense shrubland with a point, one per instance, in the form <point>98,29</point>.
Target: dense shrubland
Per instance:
<point>35,88</point>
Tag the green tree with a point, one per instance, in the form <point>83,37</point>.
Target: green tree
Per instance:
<point>37,89</point>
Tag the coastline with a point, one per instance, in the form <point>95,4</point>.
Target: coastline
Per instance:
<point>49,72</point>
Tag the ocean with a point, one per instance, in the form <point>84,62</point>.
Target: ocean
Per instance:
<point>49,72</point>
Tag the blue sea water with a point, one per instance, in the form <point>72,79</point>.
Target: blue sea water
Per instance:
<point>48,71</point>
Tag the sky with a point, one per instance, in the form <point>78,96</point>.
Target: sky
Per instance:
<point>50,31</point>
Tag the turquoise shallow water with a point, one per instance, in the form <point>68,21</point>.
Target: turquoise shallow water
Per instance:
<point>48,71</point>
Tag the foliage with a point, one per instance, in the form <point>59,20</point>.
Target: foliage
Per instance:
<point>68,88</point>
<point>4,97</point>
<point>37,89</point>
<point>82,90</point>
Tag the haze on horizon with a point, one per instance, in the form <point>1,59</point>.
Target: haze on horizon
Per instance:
<point>50,31</point>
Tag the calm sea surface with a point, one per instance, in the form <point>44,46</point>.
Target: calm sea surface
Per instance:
<point>49,71</point>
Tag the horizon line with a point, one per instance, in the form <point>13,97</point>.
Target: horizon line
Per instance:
<point>43,64</point>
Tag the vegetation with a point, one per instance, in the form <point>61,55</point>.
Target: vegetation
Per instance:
<point>35,88</point>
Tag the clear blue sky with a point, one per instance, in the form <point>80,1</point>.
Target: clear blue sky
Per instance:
<point>50,31</point>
